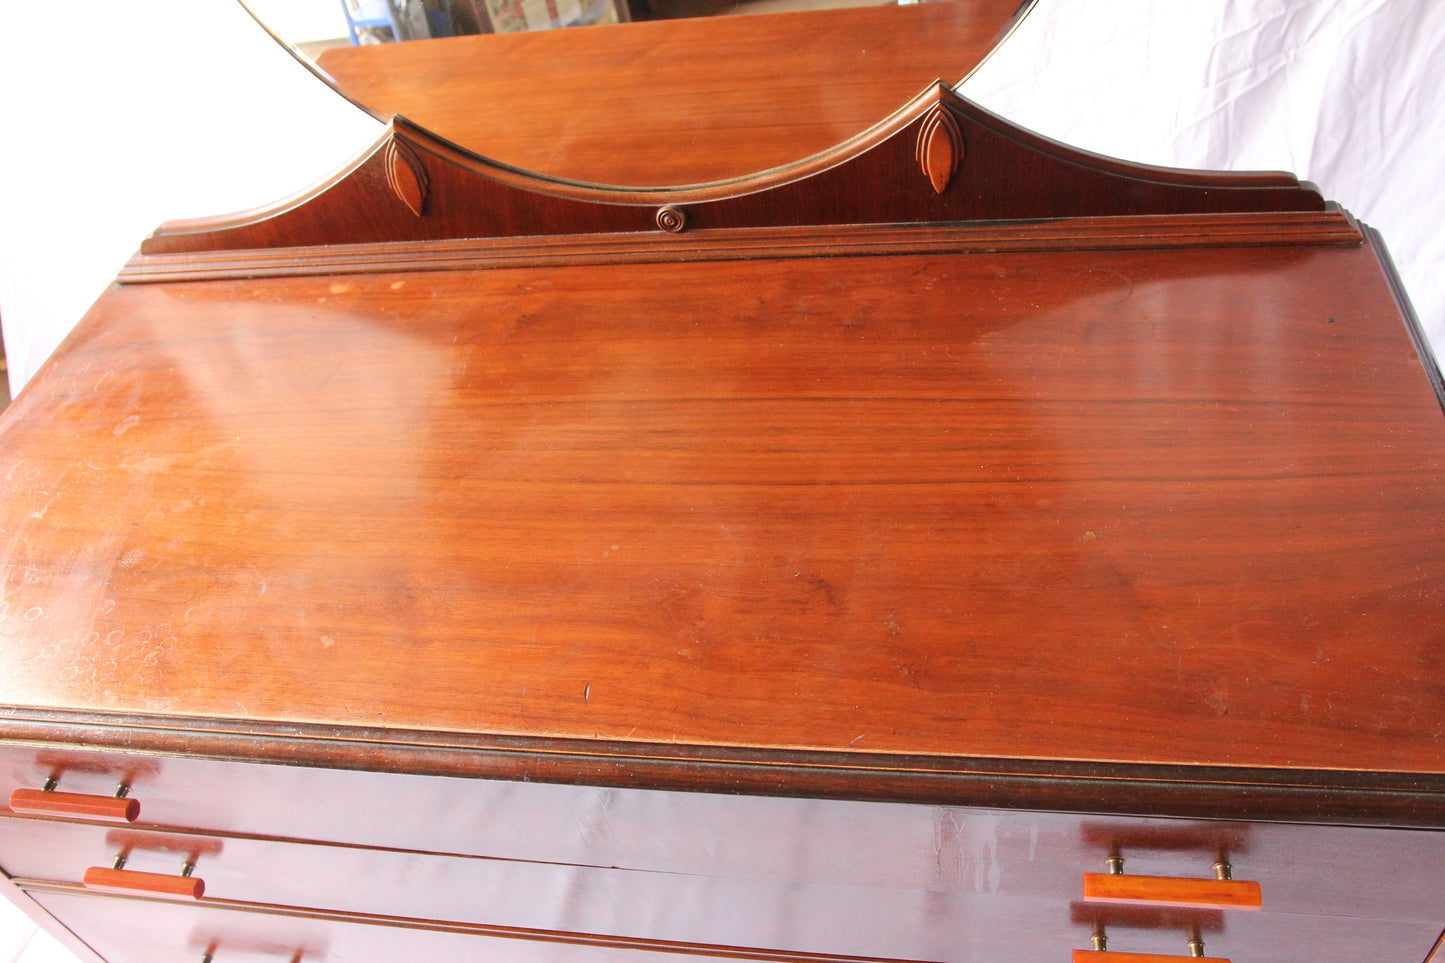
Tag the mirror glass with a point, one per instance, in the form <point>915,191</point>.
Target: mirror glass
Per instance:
<point>640,93</point>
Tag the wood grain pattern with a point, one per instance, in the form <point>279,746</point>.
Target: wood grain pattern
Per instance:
<point>1006,174</point>
<point>674,102</point>
<point>929,505</point>
<point>1172,890</point>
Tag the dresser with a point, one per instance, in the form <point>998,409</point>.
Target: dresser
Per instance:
<point>948,547</point>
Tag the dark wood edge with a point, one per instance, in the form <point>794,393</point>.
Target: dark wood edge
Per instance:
<point>1437,952</point>
<point>1395,799</point>
<point>12,891</point>
<point>496,931</point>
<point>1407,311</point>
<point>1330,227</point>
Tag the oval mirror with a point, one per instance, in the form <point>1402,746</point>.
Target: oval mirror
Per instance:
<point>640,93</point>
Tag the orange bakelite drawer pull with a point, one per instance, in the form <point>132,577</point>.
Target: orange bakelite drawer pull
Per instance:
<point>48,802</point>
<point>1220,893</point>
<point>118,880</point>
<point>1105,956</point>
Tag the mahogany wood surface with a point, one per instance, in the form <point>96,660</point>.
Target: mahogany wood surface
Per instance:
<point>674,102</point>
<point>1172,890</point>
<point>1155,507</point>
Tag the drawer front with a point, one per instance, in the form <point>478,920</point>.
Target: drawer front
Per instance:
<point>143,931</point>
<point>792,875</point>
<point>1362,872</point>
<point>807,918</point>
<point>136,931</point>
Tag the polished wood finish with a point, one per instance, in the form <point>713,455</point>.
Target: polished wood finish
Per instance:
<point>1003,173</point>
<point>37,802</point>
<point>675,102</point>
<point>132,883</point>
<point>696,868</point>
<point>828,565</point>
<point>1172,891</point>
<point>1329,227</point>
<point>744,457</point>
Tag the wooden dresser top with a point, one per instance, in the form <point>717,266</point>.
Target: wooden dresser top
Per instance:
<point>1140,506</point>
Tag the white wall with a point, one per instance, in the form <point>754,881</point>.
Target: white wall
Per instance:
<point>120,116</point>
<point>1347,93</point>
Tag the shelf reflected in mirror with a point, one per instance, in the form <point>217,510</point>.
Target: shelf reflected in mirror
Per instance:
<point>650,95</point>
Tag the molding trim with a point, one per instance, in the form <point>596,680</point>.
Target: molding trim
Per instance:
<point>1407,311</point>
<point>1399,800</point>
<point>1332,227</point>
<point>1007,174</point>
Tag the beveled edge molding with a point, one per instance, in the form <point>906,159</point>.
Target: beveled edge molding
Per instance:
<point>1384,799</point>
<point>1007,174</point>
<point>1428,361</point>
<point>1332,227</point>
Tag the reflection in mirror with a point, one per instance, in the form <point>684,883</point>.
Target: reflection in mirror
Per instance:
<point>315,25</point>
<point>659,98</point>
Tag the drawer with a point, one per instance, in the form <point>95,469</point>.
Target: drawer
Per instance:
<point>914,922</point>
<point>134,931</point>
<point>804,918</point>
<point>129,931</point>
<point>1335,871</point>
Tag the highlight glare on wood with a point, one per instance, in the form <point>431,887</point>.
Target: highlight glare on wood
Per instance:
<point>1172,891</point>
<point>72,805</point>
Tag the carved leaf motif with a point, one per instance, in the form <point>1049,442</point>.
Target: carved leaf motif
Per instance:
<point>940,147</point>
<point>406,175</point>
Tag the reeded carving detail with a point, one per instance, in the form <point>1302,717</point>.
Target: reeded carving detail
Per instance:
<point>672,219</point>
<point>940,147</point>
<point>406,175</point>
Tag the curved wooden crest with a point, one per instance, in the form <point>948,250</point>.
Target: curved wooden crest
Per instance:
<point>940,160</point>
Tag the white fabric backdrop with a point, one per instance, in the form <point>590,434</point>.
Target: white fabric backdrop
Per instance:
<point>121,117</point>
<point>1349,94</point>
